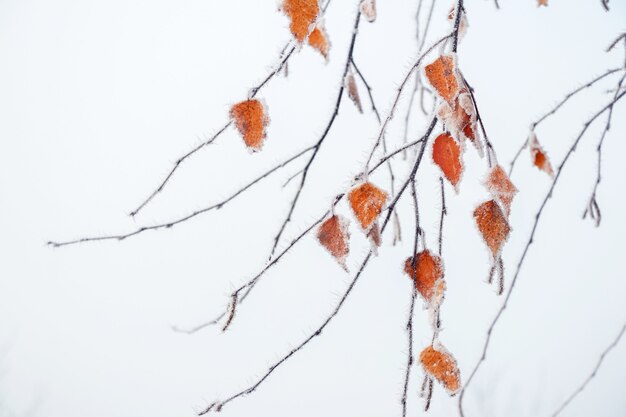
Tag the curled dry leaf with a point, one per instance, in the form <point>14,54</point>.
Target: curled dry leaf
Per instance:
<point>442,75</point>
<point>539,157</point>
<point>353,91</point>
<point>302,14</point>
<point>333,234</point>
<point>318,39</point>
<point>462,24</point>
<point>501,188</point>
<point>368,9</point>
<point>367,202</point>
<point>460,119</point>
<point>447,155</point>
<point>492,225</point>
<point>427,271</point>
<point>441,365</point>
<point>374,236</point>
<point>251,120</point>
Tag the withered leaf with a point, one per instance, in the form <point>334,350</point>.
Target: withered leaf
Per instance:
<point>539,157</point>
<point>318,39</point>
<point>368,9</point>
<point>353,91</point>
<point>447,155</point>
<point>334,235</point>
<point>302,14</point>
<point>441,365</point>
<point>251,120</point>
<point>500,187</point>
<point>442,75</point>
<point>367,201</point>
<point>492,225</point>
<point>427,271</point>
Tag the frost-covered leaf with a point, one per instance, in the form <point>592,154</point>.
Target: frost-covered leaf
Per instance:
<point>427,271</point>
<point>462,24</point>
<point>460,119</point>
<point>441,365</point>
<point>442,75</point>
<point>542,3</point>
<point>368,9</point>
<point>353,91</point>
<point>302,14</point>
<point>374,236</point>
<point>318,39</point>
<point>500,187</point>
<point>367,202</point>
<point>334,235</point>
<point>251,120</point>
<point>447,155</point>
<point>539,157</point>
<point>492,225</point>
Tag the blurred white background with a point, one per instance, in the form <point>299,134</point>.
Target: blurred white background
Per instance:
<point>97,99</point>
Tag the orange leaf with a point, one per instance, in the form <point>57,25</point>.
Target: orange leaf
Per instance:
<point>368,9</point>
<point>318,39</point>
<point>492,225</point>
<point>333,234</point>
<point>428,275</point>
<point>442,76</point>
<point>367,201</point>
<point>447,155</point>
<point>539,157</point>
<point>500,187</point>
<point>302,14</point>
<point>542,3</point>
<point>440,364</point>
<point>353,91</point>
<point>250,119</point>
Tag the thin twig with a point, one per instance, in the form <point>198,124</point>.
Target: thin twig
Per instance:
<point>444,211</point>
<point>410,357</point>
<point>592,207</point>
<point>391,113</point>
<point>220,404</point>
<point>527,247</point>
<point>556,108</point>
<point>247,290</point>
<point>172,223</point>
<point>317,146</point>
<point>593,373</point>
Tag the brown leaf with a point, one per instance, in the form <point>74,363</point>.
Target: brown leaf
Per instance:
<point>367,201</point>
<point>441,365</point>
<point>492,225</point>
<point>333,234</point>
<point>374,236</point>
<point>542,3</point>
<point>353,91</point>
<point>318,39</point>
<point>251,120</point>
<point>368,9</point>
<point>447,155</point>
<point>539,157</point>
<point>442,75</point>
<point>428,275</point>
<point>500,187</point>
<point>302,14</point>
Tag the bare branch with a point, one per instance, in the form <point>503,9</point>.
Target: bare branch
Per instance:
<point>557,107</point>
<point>172,223</point>
<point>410,357</point>
<point>317,146</point>
<point>528,243</point>
<point>444,211</point>
<point>592,207</point>
<point>593,373</point>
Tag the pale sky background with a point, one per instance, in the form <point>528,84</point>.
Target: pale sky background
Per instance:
<point>97,99</point>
